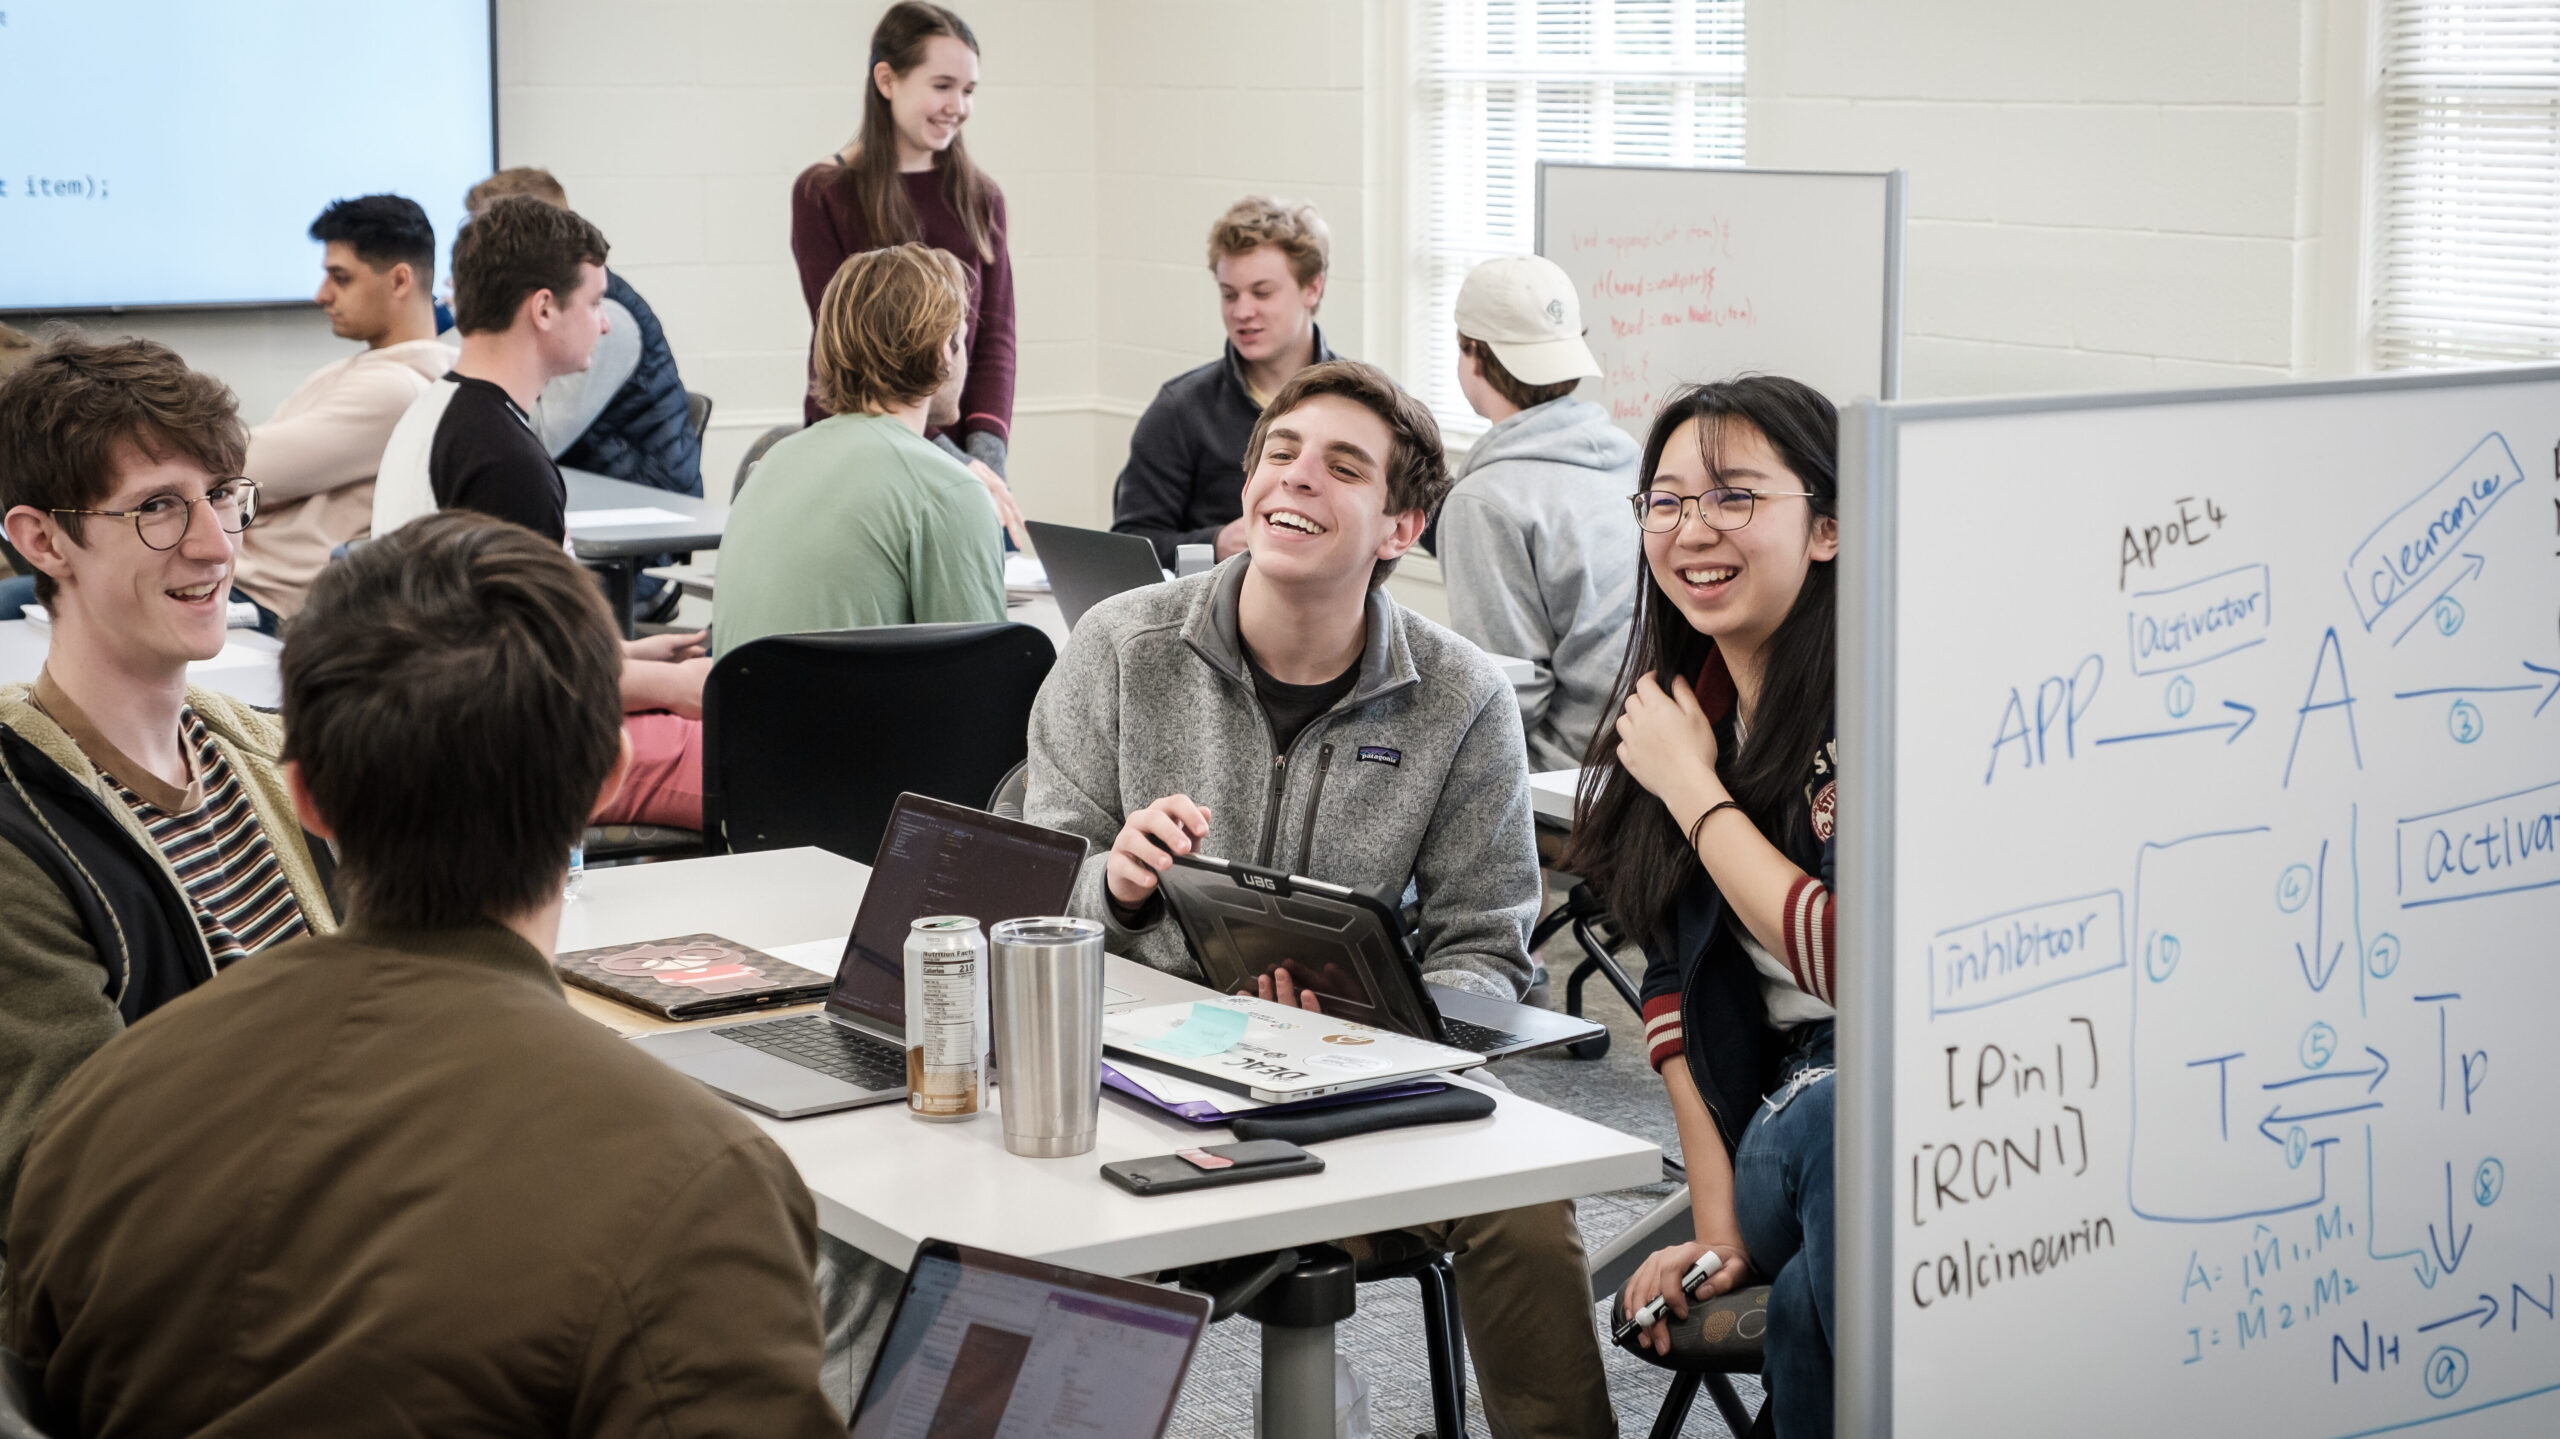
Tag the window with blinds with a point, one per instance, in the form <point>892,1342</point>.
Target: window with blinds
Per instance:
<point>2467,230</point>
<point>1503,84</point>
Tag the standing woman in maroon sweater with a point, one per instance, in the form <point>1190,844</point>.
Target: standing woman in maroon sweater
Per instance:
<point>908,177</point>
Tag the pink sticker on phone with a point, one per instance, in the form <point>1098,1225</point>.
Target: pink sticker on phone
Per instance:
<point>1203,1159</point>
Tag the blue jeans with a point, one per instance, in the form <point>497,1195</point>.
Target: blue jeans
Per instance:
<point>1782,1196</point>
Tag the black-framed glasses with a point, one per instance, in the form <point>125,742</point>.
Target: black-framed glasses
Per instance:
<point>162,520</point>
<point>1661,511</point>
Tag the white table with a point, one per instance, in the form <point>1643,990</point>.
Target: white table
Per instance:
<point>246,668</point>
<point>884,1182</point>
<point>1551,794</point>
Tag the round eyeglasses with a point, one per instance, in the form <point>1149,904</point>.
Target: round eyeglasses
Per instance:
<point>162,520</point>
<point>1661,511</point>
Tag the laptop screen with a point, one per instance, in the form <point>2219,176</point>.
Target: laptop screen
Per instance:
<point>984,1343</point>
<point>942,858</point>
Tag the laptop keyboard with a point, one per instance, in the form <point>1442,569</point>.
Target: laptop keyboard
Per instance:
<point>1479,1038</point>
<point>813,1042</point>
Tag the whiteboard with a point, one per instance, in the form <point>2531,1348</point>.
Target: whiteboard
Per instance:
<point>1692,275</point>
<point>2202,827</point>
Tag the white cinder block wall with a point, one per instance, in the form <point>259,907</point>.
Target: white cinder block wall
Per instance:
<point>2102,195</point>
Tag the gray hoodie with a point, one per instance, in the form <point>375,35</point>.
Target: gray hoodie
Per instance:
<point>1541,555</point>
<point>1416,776</point>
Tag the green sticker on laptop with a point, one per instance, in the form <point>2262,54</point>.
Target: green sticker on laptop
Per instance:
<point>1210,1029</point>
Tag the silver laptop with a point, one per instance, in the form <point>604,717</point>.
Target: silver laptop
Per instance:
<point>985,1344</point>
<point>935,858</point>
<point>1086,567</point>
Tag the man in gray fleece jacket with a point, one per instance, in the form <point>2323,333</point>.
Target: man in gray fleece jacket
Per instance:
<point>1283,710</point>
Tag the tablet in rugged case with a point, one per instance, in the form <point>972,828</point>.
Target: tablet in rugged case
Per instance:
<point>1244,922</point>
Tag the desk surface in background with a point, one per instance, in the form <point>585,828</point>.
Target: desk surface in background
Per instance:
<point>885,1182</point>
<point>698,528</point>
<point>245,670</point>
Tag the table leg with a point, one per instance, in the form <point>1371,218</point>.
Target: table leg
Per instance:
<point>621,579</point>
<point>1297,1381</point>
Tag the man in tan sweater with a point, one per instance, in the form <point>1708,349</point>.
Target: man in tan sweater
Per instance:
<point>388,1182</point>
<point>315,460</point>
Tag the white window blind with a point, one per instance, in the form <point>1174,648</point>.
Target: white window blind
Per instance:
<point>2467,252</point>
<point>1503,84</point>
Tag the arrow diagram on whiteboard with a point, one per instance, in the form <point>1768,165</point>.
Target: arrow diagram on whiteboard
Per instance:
<point>2380,1067</point>
<point>2460,1242</point>
<point>2471,568</point>
<point>2276,1116</point>
<point>2246,716</point>
<point>2486,1311</point>
<point>2548,695</point>
<point>2545,681</point>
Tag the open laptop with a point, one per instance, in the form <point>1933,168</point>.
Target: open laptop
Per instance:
<point>935,858</point>
<point>983,1344</point>
<point>1087,567</point>
<point>1349,947</point>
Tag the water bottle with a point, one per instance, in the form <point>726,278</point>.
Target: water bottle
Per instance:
<point>577,870</point>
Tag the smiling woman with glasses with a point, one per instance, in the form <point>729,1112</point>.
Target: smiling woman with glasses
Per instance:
<point>1705,818</point>
<point>162,520</point>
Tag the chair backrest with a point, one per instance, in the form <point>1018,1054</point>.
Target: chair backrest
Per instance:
<point>697,413</point>
<point>755,452</point>
<point>810,739</point>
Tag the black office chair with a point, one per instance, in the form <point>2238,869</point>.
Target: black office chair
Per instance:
<point>1589,916</point>
<point>755,452</point>
<point>697,413</point>
<point>810,739</point>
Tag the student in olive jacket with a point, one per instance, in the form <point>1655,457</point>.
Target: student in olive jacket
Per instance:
<point>146,839</point>
<point>388,1182</point>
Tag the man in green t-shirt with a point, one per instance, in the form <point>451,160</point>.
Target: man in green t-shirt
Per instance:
<point>858,520</point>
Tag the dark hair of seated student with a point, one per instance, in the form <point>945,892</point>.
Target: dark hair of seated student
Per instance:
<point>383,230</point>
<point>517,246</point>
<point>1625,843</point>
<point>458,658</point>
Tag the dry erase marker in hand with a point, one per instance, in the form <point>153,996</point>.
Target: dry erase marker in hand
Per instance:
<point>1651,1314</point>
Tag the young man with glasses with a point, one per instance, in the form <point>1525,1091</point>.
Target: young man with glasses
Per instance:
<point>147,839</point>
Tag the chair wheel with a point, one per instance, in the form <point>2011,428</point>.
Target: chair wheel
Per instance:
<point>1597,1046</point>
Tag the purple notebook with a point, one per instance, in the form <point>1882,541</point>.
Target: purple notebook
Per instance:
<point>1207,1111</point>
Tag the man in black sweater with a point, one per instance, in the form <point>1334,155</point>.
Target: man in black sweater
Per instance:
<point>1184,483</point>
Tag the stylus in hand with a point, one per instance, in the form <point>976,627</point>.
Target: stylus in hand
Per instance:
<point>1651,1314</point>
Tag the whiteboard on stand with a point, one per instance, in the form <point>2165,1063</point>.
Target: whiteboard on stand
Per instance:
<point>2201,859</point>
<point>1695,275</point>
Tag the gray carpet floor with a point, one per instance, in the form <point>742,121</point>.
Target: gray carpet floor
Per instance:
<point>1385,1336</point>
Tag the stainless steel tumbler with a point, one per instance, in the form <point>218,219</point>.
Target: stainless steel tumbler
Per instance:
<point>1048,1016</point>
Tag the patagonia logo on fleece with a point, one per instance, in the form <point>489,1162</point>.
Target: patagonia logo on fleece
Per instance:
<point>1380,754</point>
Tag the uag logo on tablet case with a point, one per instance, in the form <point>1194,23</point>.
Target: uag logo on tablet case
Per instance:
<point>1380,754</point>
<point>1258,881</point>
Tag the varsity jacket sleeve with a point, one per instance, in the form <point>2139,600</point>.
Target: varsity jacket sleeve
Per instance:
<point>1153,496</point>
<point>1493,593</point>
<point>712,1328</point>
<point>54,1007</point>
<point>1808,954</point>
<point>1477,872</point>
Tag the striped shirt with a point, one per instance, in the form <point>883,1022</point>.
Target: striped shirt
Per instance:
<point>221,853</point>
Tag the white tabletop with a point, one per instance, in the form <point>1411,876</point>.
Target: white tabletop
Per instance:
<point>246,668</point>
<point>1551,794</point>
<point>884,1182</point>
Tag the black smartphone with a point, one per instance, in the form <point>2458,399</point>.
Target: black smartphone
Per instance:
<point>1210,1167</point>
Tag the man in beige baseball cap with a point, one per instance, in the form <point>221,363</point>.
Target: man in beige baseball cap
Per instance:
<point>1536,541</point>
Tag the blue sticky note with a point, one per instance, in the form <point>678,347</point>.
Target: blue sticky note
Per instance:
<point>1210,1029</point>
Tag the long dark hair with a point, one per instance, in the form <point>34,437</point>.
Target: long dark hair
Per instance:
<point>880,199</point>
<point>1624,841</point>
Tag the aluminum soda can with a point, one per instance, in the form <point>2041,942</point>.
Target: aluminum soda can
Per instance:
<point>947,1028</point>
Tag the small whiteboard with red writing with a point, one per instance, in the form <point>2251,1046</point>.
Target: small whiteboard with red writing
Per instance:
<point>1691,275</point>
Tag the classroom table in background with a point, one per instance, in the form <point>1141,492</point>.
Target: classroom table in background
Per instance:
<point>615,525</point>
<point>1551,794</point>
<point>884,1182</point>
<point>246,669</point>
